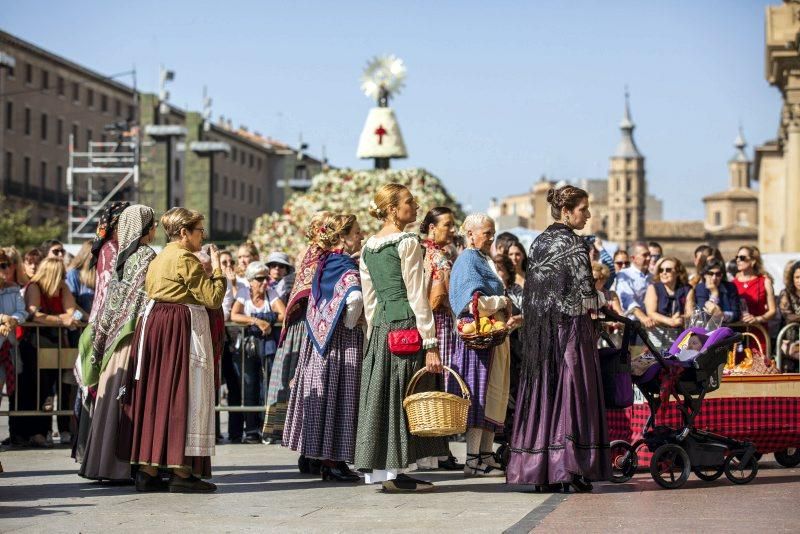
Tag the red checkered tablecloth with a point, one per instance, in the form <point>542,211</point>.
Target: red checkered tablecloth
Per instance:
<point>771,423</point>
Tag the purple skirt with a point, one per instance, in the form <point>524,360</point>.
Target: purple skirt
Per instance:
<point>473,366</point>
<point>561,433</point>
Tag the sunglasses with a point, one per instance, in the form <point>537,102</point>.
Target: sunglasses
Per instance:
<point>667,270</point>
<point>743,258</point>
<point>715,274</point>
<point>58,251</point>
<point>3,265</point>
<point>276,265</point>
<point>622,263</point>
<point>260,278</point>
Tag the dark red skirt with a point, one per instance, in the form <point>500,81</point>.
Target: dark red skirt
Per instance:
<point>156,405</point>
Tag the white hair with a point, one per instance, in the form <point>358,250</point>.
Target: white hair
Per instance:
<point>473,220</point>
<point>253,268</point>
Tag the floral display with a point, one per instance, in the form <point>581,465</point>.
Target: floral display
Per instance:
<point>343,191</point>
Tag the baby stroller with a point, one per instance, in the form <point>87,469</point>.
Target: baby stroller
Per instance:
<point>678,452</point>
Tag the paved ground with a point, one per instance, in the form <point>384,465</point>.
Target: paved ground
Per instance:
<point>261,490</point>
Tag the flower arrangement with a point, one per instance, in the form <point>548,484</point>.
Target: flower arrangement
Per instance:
<point>343,191</point>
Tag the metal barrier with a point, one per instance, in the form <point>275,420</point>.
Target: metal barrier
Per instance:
<point>58,358</point>
<point>62,358</point>
<point>778,352</point>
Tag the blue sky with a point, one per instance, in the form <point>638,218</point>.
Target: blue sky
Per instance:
<point>497,94</point>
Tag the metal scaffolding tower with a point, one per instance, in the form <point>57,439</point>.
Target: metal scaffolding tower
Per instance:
<point>95,178</point>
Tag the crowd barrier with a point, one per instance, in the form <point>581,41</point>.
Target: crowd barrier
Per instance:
<point>55,356</point>
<point>779,342</point>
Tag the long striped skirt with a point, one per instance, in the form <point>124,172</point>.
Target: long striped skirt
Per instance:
<point>446,335</point>
<point>473,366</point>
<point>328,390</point>
<point>283,371</point>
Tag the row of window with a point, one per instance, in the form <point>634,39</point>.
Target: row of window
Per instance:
<point>236,190</point>
<point>44,125</point>
<point>27,176</point>
<point>232,223</point>
<point>75,90</point>
<point>244,158</point>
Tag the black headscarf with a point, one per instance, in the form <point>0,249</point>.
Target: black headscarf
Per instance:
<point>558,285</point>
<point>106,227</point>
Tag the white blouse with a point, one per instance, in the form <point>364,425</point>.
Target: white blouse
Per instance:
<point>412,267</point>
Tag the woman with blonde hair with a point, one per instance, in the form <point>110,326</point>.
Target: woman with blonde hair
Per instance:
<point>81,275</point>
<point>395,299</point>
<point>328,381</point>
<point>50,303</point>
<point>169,412</point>
<point>756,291</point>
<point>667,301</point>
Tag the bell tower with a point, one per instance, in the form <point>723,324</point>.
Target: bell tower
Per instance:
<point>627,188</point>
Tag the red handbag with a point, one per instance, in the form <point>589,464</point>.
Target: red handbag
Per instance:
<point>405,342</point>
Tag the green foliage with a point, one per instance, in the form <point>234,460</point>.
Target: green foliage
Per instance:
<point>16,231</point>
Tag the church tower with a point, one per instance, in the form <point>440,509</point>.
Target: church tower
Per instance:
<point>626,187</point>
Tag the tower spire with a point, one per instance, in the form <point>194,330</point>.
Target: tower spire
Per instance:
<point>740,145</point>
<point>627,146</point>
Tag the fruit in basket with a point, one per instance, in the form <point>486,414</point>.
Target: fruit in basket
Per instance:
<point>486,328</point>
<point>468,328</point>
<point>498,325</point>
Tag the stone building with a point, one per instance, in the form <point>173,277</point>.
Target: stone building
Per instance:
<point>45,99</point>
<point>230,175</point>
<point>777,162</point>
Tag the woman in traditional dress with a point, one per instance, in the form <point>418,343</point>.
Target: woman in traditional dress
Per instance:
<point>171,392</point>
<point>104,250</point>
<point>258,309</point>
<point>328,383</point>
<point>486,372</point>
<point>439,228</point>
<point>393,282</point>
<point>560,439</point>
<point>107,368</point>
<point>293,350</point>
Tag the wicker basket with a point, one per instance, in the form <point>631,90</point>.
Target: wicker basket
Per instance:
<point>436,413</point>
<point>479,341</point>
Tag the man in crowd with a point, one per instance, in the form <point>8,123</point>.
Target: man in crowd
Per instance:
<point>632,282</point>
<point>655,254</point>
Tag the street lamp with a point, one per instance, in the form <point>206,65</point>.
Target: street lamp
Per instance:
<point>164,76</point>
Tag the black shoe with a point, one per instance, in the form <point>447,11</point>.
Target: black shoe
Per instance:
<point>304,465</point>
<point>192,484</point>
<point>451,464</point>
<point>339,473</point>
<point>405,484</point>
<point>252,439</point>
<point>145,482</point>
<point>314,466</point>
<point>579,485</point>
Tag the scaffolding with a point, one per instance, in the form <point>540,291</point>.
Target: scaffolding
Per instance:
<point>96,177</point>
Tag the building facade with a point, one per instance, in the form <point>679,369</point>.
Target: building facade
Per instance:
<point>44,101</point>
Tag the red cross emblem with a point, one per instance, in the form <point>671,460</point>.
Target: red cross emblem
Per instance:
<point>380,132</point>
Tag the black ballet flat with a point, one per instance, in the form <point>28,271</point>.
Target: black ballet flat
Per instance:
<point>338,473</point>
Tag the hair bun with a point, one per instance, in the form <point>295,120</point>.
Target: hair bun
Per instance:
<point>376,212</point>
<point>552,197</point>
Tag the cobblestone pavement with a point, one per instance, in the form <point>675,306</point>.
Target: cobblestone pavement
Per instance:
<point>260,489</point>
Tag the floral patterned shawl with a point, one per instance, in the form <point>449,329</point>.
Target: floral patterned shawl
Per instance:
<point>298,298</point>
<point>437,275</point>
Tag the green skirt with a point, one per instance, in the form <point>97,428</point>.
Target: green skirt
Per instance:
<point>382,439</point>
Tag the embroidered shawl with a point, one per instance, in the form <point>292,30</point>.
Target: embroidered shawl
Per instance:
<point>437,275</point>
<point>125,303</point>
<point>558,283</point>
<point>472,274</point>
<point>298,298</point>
<point>336,278</point>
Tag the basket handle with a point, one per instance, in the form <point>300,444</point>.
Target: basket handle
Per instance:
<point>758,342</point>
<point>414,379</point>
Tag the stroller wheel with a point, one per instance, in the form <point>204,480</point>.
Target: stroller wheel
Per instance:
<point>708,474</point>
<point>788,458</point>
<point>624,461</point>
<point>739,473</point>
<point>670,466</point>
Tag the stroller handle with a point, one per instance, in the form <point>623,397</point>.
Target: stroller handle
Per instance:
<point>609,315</point>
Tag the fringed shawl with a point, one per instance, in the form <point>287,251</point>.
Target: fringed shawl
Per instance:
<point>298,298</point>
<point>437,275</point>
<point>472,274</point>
<point>558,283</point>
<point>337,277</point>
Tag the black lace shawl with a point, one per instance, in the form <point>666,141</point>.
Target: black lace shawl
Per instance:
<point>558,285</point>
